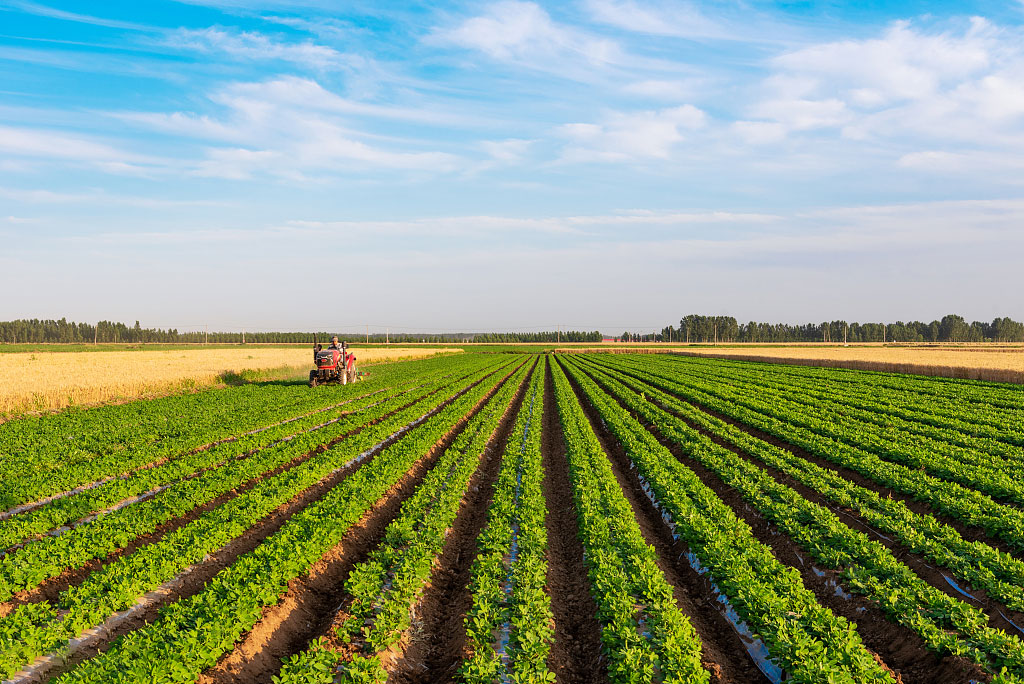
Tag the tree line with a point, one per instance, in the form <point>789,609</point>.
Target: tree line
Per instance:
<point>35,331</point>
<point>696,328</point>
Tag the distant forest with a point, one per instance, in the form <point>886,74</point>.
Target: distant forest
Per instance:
<point>693,328</point>
<point>69,332</point>
<point>952,328</point>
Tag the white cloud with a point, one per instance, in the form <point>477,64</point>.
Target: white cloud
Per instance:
<point>663,90</point>
<point>524,33</point>
<point>677,19</point>
<point>288,127</point>
<point>253,46</point>
<point>99,197</point>
<point>53,13</point>
<point>906,85</point>
<point>508,151</point>
<point>53,146</point>
<point>623,136</point>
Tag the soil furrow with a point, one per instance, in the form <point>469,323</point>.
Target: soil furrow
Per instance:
<point>576,654</point>
<point>311,602</point>
<point>900,649</point>
<point>724,654</point>
<point>436,643</point>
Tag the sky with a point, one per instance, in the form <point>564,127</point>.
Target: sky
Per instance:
<point>589,164</point>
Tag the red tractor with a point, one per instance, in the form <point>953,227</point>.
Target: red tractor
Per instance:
<point>333,365</point>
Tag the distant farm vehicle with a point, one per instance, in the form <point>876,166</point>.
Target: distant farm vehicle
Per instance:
<point>334,365</point>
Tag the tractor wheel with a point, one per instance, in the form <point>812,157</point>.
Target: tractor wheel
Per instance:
<point>312,378</point>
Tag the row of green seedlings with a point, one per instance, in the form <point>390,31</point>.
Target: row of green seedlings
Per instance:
<point>804,638</point>
<point>53,517</point>
<point>386,588</point>
<point>947,625</point>
<point>645,636</point>
<point>193,633</point>
<point>36,629</point>
<point>981,566</point>
<point>994,430</point>
<point>983,393</point>
<point>967,506</point>
<point>50,556</point>
<point>192,455</point>
<point>985,472</point>
<point>510,626</point>
<point>53,454</point>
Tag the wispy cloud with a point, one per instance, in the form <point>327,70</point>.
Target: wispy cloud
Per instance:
<point>98,197</point>
<point>289,126</point>
<point>54,13</point>
<point>677,19</point>
<point>254,46</point>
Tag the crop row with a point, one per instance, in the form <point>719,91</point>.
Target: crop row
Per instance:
<point>39,628</point>
<point>982,471</point>
<point>979,471</point>
<point>946,624</point>
<point>149,481</point>
<point>385,588</point>
<point>966,505</point>
<point>48,557</point>
<point>51,454</point>
<point>980,565</point>
<point>193,633</point>
<point>979,392</point>
<point>646,636</point>
<point>806,639</point>
<point>999,435</point>
<point>509,627</point>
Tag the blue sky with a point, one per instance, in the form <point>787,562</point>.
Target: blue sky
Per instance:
<point>604,164</point>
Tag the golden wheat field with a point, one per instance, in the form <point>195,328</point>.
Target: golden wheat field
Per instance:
<point>43,381</point>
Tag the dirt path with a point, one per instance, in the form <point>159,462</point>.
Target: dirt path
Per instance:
<point>436,645</point>
<point>576,655</point>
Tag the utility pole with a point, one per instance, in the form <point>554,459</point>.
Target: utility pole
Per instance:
<point>206,331</point>
<point>716,332</point>
<point>387,336</point>
<point>243,335</point>
<point>845,326</point>
<point>96,334</point>
<point>559,334</point>
<point>367,334</point>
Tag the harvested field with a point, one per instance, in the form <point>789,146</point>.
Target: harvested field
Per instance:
<point>489,518</point>
<point>45,381</point>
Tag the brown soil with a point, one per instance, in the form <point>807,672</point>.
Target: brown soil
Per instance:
<point>50,589</point>
<point>723,653</point>
<point>309,605</point>
<point>899,648</point>
<point>437,641</point>
<point>576,654</point>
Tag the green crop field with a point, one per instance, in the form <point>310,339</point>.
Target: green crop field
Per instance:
<point>523,517</point>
